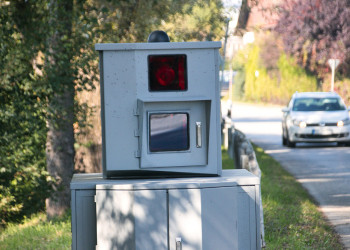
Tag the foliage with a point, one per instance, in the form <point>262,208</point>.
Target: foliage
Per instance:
<point>128,20</point>
<point>201,20</point>
<point>23,179</point>
<point>293,78</point>
<point>269,77</point>
<point>35,68</point>
<point>342,87</point>
<point>238,87</point>
<point>315,31</point>
<point>238,64</point>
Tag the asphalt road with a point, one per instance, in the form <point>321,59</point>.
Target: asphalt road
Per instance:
<point>323,169</point>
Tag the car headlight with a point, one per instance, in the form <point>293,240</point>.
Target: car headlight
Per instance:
<point>343,122</point>
<point>340,124</point>
<point>300,124</point>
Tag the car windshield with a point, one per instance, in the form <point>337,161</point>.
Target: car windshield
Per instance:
<point>318,104</point>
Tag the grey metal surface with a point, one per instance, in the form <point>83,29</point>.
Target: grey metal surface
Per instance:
<point>183,159</point>
<point>83,219</point>
<point>241,150</point>
<point>323,169</point>
<point>205,212</point>
<point>219,212</point>
<point>185,218</point>
<point>247,220</point>
<point>237,177</point>
<point>155,46</point>
<point>126,100</point>
<point>131,219</point>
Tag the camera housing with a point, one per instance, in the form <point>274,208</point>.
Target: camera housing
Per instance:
<point>160,109</point>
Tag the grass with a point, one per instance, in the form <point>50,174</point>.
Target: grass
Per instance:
<point>292,220</point>
<point>37,233</point>
<point>227,162</point>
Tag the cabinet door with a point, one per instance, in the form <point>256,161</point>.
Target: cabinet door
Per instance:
<point>203,218</point>
<point>131,219</point>
<point>248,218</point>
<point>165,129</point>
<point>83,220</point>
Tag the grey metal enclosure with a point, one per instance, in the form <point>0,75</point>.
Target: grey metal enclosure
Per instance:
<point>160,106</point>
<point>194,213</point>
<point>162,185</point>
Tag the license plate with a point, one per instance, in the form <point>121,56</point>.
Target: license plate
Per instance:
<point>321,132</point>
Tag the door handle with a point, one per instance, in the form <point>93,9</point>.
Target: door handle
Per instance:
<point>199,134</point>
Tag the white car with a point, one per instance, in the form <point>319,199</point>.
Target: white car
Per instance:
<point>316,117</point>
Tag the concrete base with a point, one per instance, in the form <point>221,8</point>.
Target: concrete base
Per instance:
<point>173,213</point>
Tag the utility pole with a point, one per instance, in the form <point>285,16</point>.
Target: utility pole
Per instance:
<point>227,21</point>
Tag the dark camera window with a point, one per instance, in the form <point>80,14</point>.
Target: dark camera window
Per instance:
<point>167,72</point>
<point>168,132</point>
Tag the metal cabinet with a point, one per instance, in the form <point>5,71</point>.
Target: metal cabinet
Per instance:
<point>83,219</point>
<point>194,213</point>
<point>131,219</point>
<point>203,218</point>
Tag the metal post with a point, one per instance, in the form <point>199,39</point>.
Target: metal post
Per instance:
<point>333,63</point>
<point>224,52</point>
<point>333,73</point>
<point>230,85</point>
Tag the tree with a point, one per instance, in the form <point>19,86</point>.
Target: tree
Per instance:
<point>315,31</point>
<point>47,56</point>
<point>75,27</point>
<point>23,179</point>
<point>197,21</point>
<point>60,79</point>
<point>130,20</point>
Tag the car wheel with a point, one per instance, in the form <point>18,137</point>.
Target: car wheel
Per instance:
<point>289,143</point>
<point>284,141</point>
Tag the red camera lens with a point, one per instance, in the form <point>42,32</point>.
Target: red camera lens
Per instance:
<point>167,72</point>
<point>165,75</point>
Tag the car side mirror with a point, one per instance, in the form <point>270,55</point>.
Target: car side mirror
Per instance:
<point>285,110</point>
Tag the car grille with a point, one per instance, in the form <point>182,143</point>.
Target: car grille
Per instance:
<point>330,124</point>
<point>311,136</point>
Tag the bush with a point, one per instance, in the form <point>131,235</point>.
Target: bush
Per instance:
<point>262,77</point>
<point>341,86</point>
<point>238,86</point>
<point>23,179</point>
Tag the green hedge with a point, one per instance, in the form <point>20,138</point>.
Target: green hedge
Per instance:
<point>23,178</point>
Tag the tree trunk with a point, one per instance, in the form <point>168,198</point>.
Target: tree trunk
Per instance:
<point>60,136</point>
<point>60,154</point>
